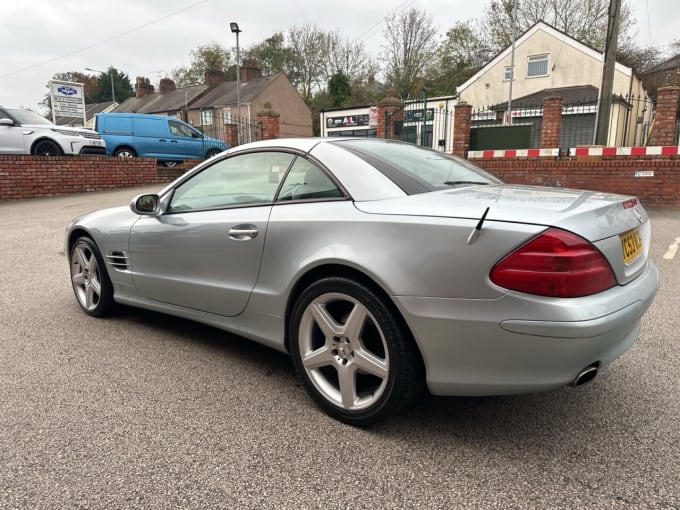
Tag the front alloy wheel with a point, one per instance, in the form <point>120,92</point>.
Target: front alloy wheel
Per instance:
<point>352,353</point>
<point>90,281</point>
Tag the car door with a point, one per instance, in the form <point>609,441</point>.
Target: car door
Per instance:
<point>184,140</point>
<point>204,252</point>
<point>12,137</point>
<point>151,137</point>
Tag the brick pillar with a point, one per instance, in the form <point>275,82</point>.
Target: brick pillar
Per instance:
<point>269,120</point>
<point>231,134</point>
<point>663,132</point>
<point>552,122</point>
<point>390,110</point>
<point>462,124</point>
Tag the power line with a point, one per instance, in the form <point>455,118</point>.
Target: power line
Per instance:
<point>104,41</point>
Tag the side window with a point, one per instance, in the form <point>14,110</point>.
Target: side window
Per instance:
<point>537,65</point>
<point>246,179</point>
<point>180,129</point>
<point>307,181</point>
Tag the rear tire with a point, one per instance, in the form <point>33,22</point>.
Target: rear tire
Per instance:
<point>354,356</point>
<point>124,152</point>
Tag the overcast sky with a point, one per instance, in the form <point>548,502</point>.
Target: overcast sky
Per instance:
<point>150,38</point>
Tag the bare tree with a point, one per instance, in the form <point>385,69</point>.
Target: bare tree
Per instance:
<point>584,20</point>
<point>346,56</point>
<point>307,44</point>
<point>409,44</point>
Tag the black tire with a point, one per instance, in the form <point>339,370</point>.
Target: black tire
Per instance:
<point>89,278</point>
<point>47,148</point>
<point>364,367</point>
<point>125,152</point>
<point>211,153</point>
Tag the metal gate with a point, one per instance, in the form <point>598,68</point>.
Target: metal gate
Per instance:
<point>428,124</point>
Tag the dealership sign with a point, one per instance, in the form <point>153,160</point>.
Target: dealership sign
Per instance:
<point>68,99</point>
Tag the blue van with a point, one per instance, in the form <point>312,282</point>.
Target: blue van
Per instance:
<point>168,139</point>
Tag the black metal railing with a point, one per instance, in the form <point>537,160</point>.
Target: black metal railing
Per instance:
<point>629,125</point>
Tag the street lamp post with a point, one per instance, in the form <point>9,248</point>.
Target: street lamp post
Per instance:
<point>236,30</point>
<point>113,93</point>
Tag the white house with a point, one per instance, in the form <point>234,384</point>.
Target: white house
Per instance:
<point>547,61</point>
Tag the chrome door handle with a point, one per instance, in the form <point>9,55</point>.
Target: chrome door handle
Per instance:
<point>243,233</point>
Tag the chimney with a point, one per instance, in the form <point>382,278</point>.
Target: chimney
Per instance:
<point>143,87</point>
<point>213,77</point>
<point>249,70</point>
<point>166,85</point>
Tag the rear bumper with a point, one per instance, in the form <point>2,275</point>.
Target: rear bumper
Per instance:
<point>489,347</point>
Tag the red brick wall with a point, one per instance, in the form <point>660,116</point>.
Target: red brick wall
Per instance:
<point>44,176</point>
<point>270,125</point>
<point>462,123</point>
<point>390,110</point>
<point>552,122</point>
<point>663,132</point>
<point>616,175</point>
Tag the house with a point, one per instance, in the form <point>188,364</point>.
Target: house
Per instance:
<point>91,109</point>
<point>548,62</point>
<point>661,75</point>
<point>213,106</point>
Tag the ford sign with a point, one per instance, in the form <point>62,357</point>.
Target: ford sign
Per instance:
<point>67,91</point>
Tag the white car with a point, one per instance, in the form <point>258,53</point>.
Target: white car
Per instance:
<point>26,132</point>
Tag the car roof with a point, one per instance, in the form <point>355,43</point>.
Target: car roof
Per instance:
<point>301,144</point>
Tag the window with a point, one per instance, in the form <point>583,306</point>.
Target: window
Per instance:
<point>180,129</point>
<point>226,113</point>
<point>246,179</point>
<point>537,65</point>
<point>507,76</point>
<point>307,181</point>
<point>206,117</point>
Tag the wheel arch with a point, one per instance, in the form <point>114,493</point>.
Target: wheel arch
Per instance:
<point>74,235</point>
<point>46,139</point>
<point>124,146</point>
<point>342,271</point>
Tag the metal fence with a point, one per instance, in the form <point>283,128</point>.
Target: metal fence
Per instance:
<point>629,124</point>
<point>222,126</point>
<point>422,123</point>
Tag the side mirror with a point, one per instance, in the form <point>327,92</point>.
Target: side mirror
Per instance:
<point>6,122</point>
<point>147,205</point>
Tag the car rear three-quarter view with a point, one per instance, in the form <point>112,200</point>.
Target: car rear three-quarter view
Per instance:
<point>382,268</point>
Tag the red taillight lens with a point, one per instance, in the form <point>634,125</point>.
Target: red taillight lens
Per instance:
<point>556,263</point>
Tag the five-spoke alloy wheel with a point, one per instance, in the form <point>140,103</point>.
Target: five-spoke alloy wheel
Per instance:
<point>90,281</point>
<point>352,353</point>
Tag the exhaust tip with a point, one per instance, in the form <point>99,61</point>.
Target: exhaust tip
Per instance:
<point>585,375</point>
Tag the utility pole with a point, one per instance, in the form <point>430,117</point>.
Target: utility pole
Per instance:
<point>513,15</point>
<point>607,86</point>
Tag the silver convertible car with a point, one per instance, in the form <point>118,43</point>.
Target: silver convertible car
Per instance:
<point>382,268</point>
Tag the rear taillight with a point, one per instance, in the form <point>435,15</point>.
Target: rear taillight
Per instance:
<point>556,263</point>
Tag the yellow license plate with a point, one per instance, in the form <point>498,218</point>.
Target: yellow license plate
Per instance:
<point>631,244</point>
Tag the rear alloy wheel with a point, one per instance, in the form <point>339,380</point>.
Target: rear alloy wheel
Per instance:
<point>47,148</point>
<point>352,353</point>
<point>170,164</point>
<point>124,152</point>
<point>90,281</point>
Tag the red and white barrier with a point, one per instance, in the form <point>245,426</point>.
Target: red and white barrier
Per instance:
<point>514,153</point>
<point>665,150</point>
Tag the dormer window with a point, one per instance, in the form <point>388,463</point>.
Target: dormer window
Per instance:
<point>537,65</point>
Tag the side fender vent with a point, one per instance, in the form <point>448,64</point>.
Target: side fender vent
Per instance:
<point>118,260</point>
